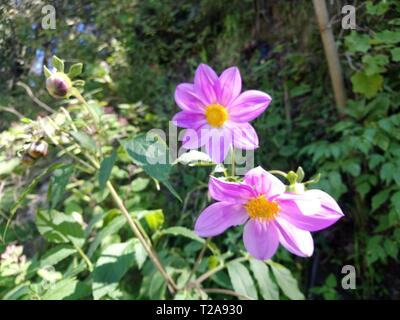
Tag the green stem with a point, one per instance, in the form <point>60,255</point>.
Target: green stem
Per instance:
<point>198,260</point>
<point>211,272</point>
<point>84,257</point>
<point>233,160</point>
<point>278,172</point>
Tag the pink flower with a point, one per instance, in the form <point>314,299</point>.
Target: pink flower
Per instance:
<point>217,113</point>
<point>272,216</point>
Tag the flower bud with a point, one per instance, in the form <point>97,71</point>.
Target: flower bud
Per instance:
<point>296,187</point>
<point>59,85</point>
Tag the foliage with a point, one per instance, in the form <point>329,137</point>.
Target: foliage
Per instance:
<point>61,235</point>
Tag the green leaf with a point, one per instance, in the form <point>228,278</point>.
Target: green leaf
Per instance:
<point>85,141</point>
<point>56,254</point>
<point>241,280</point>
<point>395,200</point>
<point>139,184</point>
<point>111,266</point>
<point>268,288</point>
<point>27,191</point>
<point>154,219</point>
<point>374,64</point>
<point>184,232</point>
<point>157,287</point>
<point>75,70</point>
<point>47,72</point>
<point>395,54</point>
<point>58,64</point>
<point>58,183</point>
<point>140,253</point>
<point>111,228</point>
<point>105,169</point>
<point>151,153</point>
<point>286,281</point>
<point>386,37</point>
<point>58,227</point>
<point>379,199</point>
<point>6,167</point>
<point>67,289</point>
<point>367,85</point>
<point>194,158</point>
<point>356,42</point>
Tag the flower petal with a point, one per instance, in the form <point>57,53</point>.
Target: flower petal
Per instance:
<point>230,85</point>
<point>187,99</point>
<point>264,182</point>
<point>186,119</point>
<point>296,241</point>
<point>232,192</point>
<point>260,239</point>
<point>244,136</point>
<point>205,81</point>
<point>217,146</point>
<point>218,217</point>
<point>195,138</point>
<point>248,106</point>
<point>306,211</point>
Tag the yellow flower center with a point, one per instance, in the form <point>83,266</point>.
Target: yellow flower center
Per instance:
<point>262,209</point>
<point>216,115</point>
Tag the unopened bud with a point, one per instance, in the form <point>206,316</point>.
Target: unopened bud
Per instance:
<point>59,85</point>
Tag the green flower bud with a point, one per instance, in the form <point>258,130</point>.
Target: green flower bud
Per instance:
<point>296,188</point>
<point>59,85</point>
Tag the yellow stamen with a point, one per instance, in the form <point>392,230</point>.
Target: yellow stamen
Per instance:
<point>216,115</point>
<point>262,209</point>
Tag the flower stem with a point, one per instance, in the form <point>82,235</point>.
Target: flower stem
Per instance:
<point>278,172</point>
<point>233,160</point>
<point>152,254</point>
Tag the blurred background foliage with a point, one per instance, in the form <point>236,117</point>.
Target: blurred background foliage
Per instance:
<point>136,52</point>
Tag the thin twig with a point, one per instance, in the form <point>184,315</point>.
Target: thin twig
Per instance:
<point>32,96</point>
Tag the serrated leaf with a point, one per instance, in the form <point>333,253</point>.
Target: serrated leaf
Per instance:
<point>356,42</point>
<point>268,288</point>
<point>241,280</point>
<point>58,64</point>
<point>111,266</point>
<point>151,153</point>
<point>369,86</point>
<point>105,169</point>
<point>75,70</point>
<point>286,281</point>
<point>58,227</point>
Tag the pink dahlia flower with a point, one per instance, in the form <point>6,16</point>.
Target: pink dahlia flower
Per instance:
<point>215,113</point>
<point>271,215</point>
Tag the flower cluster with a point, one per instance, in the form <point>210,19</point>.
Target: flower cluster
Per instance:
<point>215,114</point>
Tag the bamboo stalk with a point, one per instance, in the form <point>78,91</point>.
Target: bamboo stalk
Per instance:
<point>331,54</point>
